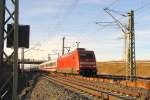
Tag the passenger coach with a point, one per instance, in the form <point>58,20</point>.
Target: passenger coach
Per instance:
<point>48,66</point>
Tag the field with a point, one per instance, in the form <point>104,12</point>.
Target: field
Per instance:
<point>118,68</point>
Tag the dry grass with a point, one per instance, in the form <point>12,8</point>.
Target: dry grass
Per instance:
<point>118,68</point>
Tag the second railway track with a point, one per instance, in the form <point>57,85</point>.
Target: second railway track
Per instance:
<point>97,89</point>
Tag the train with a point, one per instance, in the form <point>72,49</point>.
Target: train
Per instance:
<point>80,61</point>
<point>48,66</point>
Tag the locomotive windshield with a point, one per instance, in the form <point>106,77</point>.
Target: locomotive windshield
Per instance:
<point>87,56</point>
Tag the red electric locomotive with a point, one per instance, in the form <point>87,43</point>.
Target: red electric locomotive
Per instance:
<point>80,61</point>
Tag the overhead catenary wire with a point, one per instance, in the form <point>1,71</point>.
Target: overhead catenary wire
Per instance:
<point>117,21</point>
<point>143,12</point>
<point>66,15</point>
<point>112,3</point>
<point>33,47</point>
<point>105,26</point>
<point>142,7</point>
<point>108,6</point>
<point>118,12</point>
<point>112,23</point>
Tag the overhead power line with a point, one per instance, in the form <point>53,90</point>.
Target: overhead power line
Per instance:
<point>142,7</point>
<point>113,3</point>
<point>118,12</point>
<point>68,12</point>
<point>123,27</point>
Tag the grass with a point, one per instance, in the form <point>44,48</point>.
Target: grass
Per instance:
<point>118,68</point>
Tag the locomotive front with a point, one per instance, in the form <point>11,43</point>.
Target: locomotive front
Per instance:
<point>87,63</point>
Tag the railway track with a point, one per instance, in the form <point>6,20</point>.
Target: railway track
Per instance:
<point>97,89</point>
<point>120,77</point>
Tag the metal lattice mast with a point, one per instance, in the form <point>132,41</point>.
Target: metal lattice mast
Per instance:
<point>129,44</point>
<point>131,49</point>
<point>12,17</point>
<point>15,56</point>
<point>2,21</point>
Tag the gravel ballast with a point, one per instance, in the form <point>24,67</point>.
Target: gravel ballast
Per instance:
<point>46,90</point>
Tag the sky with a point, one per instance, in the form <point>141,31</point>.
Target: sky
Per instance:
<point>50,20</point>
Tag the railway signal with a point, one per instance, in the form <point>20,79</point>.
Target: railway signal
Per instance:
<point>13,15</point>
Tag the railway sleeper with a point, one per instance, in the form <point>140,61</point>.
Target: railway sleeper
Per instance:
<point>120,90</point>
<point>126,92</point>
<point>102,94</point>
<point>95,89</point>
<point>116,88</point>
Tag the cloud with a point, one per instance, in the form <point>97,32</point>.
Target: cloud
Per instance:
<point>106,49</point>
<point>46,47</point>
<point>104,43</point>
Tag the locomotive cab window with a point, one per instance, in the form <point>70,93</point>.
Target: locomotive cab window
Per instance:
<point>87,55</point>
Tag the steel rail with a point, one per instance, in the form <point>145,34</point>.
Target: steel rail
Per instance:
<point>73,87</point>
<point>134,91</point>
<point>110,87</point>
<point>102,90</point>
<point>88,89</point>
